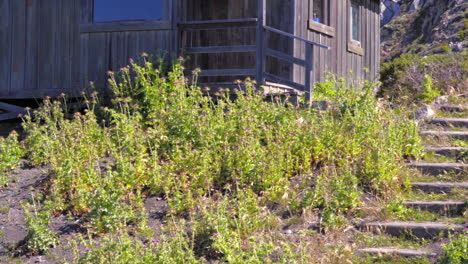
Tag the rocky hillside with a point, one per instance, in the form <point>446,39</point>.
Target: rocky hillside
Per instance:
<point>423,26</point>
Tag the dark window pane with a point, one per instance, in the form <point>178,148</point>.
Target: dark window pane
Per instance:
<point>118,10</point>
<point>355,27</point>
<point>318,12</point>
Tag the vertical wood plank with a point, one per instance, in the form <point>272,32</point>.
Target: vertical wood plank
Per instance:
<point>46,53</point>
<point>260,58</point>
<point>5,43</point>
<point>18,48</point>
<point>32,39</point>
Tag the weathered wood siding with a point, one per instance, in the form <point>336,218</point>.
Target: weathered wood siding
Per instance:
<point>52,46</point>
<point>39,47</point>
<point>339,60</point>
<point>110,45</point>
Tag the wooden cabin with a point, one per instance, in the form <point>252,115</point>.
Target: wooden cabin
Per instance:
<point>49,47</point>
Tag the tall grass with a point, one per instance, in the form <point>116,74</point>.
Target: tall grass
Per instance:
<point>162,136</point>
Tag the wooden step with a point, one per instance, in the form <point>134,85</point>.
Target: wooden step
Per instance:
<point>439,187</point>
<point>439,168</point>
<point>451,122</point>
<point>400,252</point>
<point>419,230</point>
<point>448,151</point>
<point>453,108</point>
<point>445,207</point>
<point>463,135</point>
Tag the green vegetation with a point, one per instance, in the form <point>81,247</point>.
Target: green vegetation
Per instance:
<point>412,77</point>
<point>457,251</point>
<point>229,170</point>
<point>10,154</point>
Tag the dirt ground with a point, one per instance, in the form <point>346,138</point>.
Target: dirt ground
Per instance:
<point>26,181</point>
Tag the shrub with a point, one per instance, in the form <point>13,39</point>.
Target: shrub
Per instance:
<point>40,238</point>
<point>10,154</point>
<point>457,251</point>
<point>405,80</point>
<point>163,137</point>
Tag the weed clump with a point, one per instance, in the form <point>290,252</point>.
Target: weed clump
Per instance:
<point>11,153</point>
<point>162,136</point>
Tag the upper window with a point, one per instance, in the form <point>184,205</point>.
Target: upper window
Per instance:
<point>121,10</point>
<point>320,11</point>
<point>355,27</point>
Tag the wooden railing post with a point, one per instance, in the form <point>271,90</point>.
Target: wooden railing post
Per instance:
<point>260,56</point>
<point>308,72</point>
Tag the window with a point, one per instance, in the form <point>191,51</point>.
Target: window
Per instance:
<point>121,10</point>
<point>319,13</point>
<point>320,10</point>
<point>355,27</point>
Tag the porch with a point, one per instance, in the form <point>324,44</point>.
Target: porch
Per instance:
<point>255,43</point>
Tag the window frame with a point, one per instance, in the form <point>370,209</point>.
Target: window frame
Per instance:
<point>354,46</point>
<point>326,26</point>
<point>90,26</point>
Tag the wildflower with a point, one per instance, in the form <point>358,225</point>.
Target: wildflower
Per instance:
<point>130,59</point>
<point>307,239</point>
<point>175,82</point>
<point>253,155</point>
<point>156,242</point>
<point>135,105</point>
<point>163,79</point>
<point>87,249</point>
<point>216,234</point>
<point>331,167</point>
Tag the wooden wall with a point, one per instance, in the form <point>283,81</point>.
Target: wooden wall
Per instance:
<point>109,46</point>
<point>339,60</point>
<point>53,46</point>
<point>39,47</point>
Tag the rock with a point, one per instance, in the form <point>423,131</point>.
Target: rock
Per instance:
<point>389,10</point>
<point>424,113</point>
<point>457,47</point>
<point>415,5</point>
<point>441,100</point>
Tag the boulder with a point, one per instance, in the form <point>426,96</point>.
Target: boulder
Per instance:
<point>389,10</point>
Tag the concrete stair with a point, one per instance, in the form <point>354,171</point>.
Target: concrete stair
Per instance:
<point>463,135</point>
<point>451,208</point>
<point>448,151</point>
<point>439,168</point>
<point>419,230</point>
<point>400,252</point>
<point>453,108</point>
<point>451,122</point>
<point>438,187</point>
<point>430,230</point>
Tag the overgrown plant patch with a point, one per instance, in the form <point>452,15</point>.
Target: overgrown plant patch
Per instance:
<point>231,171</point>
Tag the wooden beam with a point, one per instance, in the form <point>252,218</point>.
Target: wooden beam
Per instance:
<point>124,26</point>
<point>228,72</point>
<point>218,24</point>
<point>281,80</point>
<point>13,111</point>
<point>260,42</point>
<point>295,37</point>
<point>221,49</point>
<point>283,56</point>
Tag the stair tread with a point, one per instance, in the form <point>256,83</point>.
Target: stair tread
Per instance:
<point>436,202</point>
<point>442,184</point>
<point>446,148</point>
<point>404,252</point>
<point>436,132</point>
<point>416,225</point>
<point>439,164</point>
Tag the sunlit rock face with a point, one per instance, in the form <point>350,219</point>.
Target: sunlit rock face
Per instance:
<point>423,26</point>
